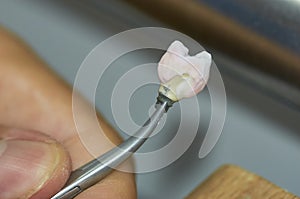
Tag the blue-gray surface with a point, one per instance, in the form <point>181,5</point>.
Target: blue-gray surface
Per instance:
<point>262,129</point>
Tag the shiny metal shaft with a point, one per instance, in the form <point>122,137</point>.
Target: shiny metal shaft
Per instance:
<point>94,171</point>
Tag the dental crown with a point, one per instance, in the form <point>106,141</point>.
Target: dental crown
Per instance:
<point>182,75</point>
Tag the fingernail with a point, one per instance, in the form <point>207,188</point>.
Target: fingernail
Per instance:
<point>26,166</point>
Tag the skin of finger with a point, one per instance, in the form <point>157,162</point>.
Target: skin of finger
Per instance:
<point>59,172</point>
<point>43,102</point>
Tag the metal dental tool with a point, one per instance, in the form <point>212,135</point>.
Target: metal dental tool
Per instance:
<point>181,76</point>
<point>97,169</point>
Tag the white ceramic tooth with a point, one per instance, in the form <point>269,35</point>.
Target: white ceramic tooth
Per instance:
<point>178,48</point>
<point>183,75</point>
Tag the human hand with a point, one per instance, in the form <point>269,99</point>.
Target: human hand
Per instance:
<point>36,162</point>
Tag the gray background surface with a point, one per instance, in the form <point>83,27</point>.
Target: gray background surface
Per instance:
<point>262,126</point>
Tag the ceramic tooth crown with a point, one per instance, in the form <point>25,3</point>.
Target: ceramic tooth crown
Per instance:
<point>182,75</point>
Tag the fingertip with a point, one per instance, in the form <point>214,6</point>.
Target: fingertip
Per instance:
<point>58,177</point>
<point>32,165</point>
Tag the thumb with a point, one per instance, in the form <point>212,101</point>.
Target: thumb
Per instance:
<point>32,165</point>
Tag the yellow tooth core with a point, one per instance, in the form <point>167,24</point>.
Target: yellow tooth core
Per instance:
<point>169,89</point>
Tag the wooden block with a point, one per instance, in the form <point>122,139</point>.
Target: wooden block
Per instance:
<point>233,182</point>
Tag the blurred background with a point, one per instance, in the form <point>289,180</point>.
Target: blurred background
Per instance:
<point>255,44</point>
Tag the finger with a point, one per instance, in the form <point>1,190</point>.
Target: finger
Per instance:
<point>43,102</point>
<point>31,164</point>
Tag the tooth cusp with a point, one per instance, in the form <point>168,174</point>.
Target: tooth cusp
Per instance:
<point>182,75</point>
